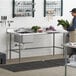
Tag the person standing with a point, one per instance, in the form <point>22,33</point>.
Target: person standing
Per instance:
<point>73,25</point>
<point>72,31</point>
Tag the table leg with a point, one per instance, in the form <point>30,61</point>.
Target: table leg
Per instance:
<point>65,55</point>
<point>63,42</point>
<point>10,47</point>
<point>19,53</point>
<point>19,50</point>
<point>53,43</point>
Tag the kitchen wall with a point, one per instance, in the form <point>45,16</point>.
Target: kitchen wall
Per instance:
<point>6,10</point>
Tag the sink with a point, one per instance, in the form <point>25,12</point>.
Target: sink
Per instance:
<point>23,38</point>
<point>24,30</point>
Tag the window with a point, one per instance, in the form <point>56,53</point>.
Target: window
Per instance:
<point>23,8</point>
<point>53,7</point>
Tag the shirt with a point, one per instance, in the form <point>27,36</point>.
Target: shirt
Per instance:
<point>73,27</point>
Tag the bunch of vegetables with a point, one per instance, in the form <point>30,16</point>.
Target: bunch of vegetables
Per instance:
<point>64,23</point>
<point>35,28</point>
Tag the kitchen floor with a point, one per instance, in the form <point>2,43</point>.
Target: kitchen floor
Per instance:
<point>53,70</point>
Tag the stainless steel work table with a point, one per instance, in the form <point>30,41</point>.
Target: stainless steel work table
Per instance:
<point>72,64</point>
<point>11,32</point>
